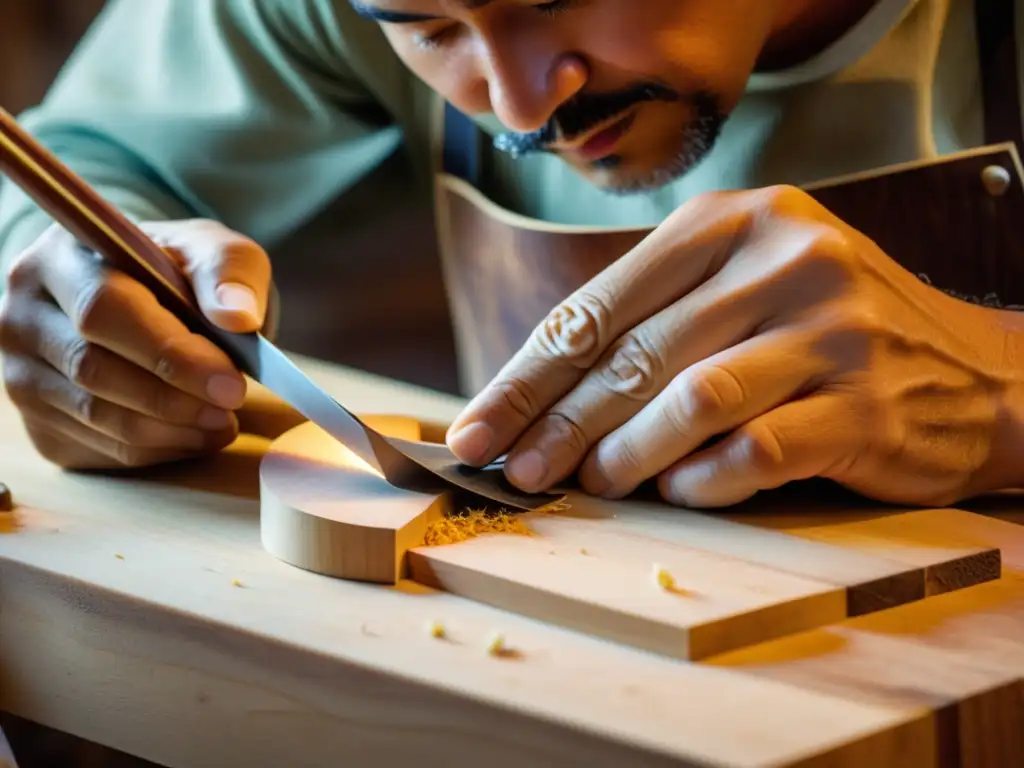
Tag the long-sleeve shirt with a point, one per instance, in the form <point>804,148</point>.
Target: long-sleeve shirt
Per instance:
<point>260,112</point>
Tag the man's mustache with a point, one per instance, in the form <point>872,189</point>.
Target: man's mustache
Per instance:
<point>580,114</point>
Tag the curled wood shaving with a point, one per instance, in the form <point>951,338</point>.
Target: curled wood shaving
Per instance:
<point>467,524</point>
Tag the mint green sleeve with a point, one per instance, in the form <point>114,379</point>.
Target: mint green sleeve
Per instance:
<point>253,112</point>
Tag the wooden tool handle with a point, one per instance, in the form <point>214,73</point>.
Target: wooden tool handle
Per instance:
<point>100,226</point>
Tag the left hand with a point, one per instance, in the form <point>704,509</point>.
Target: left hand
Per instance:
<point>760,318</point>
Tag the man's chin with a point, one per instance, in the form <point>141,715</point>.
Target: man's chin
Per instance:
<point>620,177</point>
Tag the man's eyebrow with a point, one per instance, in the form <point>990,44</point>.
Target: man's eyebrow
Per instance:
<point>396,17</point>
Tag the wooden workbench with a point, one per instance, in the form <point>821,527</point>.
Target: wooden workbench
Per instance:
<point>142,613</point>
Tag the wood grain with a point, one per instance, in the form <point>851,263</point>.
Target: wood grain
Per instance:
<point>325,510</point>
<point>882,557</point>
<point>196,630</point>
<point>959,654</point>
<point>600,582</point>
<point>321,512</point>
<point>302,670</point>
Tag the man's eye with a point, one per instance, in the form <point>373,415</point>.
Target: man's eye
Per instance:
<point>436,39</point>
<point>556,6</point>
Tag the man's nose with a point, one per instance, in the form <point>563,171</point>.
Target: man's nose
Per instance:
<point>526,90</point>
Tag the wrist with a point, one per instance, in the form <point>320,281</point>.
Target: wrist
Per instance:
<point>1005,468</point>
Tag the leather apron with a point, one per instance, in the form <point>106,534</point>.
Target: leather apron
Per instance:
<point>956,221</point>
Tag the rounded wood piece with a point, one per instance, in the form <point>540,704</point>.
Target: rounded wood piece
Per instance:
<point>325,510</point>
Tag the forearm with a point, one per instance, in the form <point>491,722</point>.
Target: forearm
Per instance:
<point>1004,468</point>
<point>246,111</point>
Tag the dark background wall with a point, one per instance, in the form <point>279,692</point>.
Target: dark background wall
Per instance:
<point>360,285</point>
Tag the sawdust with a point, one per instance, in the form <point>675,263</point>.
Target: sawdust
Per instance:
<point>467,524</point>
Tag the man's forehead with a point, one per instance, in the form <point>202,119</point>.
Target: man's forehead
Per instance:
<point>390,11</point>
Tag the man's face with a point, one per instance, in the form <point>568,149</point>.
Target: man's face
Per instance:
<point>631,93</point>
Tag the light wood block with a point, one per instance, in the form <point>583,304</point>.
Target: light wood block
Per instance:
<point>882,557</point>
<point>292,668</point>
<point>324,510</point>
<point>959,654</point>
<point>601,582</point>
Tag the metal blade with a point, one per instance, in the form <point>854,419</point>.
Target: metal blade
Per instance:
<point>412,465</point>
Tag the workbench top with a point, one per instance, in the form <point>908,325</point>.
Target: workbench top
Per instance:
<point>141,612</point>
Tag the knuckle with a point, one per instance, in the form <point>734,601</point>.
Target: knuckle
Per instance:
<point>23,273</point>
<point>635,366</point>
<point>18,383</point>
<point>81,363</point>
<point>129,455</point>
<point>628,462</point>
<point>572,435</point>
<point>759,448</point>
<point>155,401</point>
<point>166,365</point>
<point>519,397</point>
<point>709,392</point>
<point>825,249</point>
<point>781,199</point>
<point>220,250</point>
<point>91,305</point>
<point>9,326</point>
<point>861,319</point>
<point>85,406</point>
<point>575,330</point>
<point>240,253</point>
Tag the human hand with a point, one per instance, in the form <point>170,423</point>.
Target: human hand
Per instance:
<point>758,318</point>
<point>103,376</point>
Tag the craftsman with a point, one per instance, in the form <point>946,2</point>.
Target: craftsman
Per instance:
<point>753,315</point>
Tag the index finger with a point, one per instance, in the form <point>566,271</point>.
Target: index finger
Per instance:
<point>669,263</point>
<point>115,312</point>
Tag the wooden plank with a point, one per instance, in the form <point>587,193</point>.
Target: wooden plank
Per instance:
<point>581,575</point>
<point>960,654</point>
<point>305,670</point>
<point>929,539</point>
<point>961,651</point>
<point>879,561</point>
<point>300,669</point>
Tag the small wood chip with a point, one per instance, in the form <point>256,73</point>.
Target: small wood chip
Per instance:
<point>119,556</point>
<point>6,501</point>
<point>496,644</point>
<point>662,578</point>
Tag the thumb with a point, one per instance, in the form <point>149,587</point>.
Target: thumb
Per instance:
<point>230,273</point>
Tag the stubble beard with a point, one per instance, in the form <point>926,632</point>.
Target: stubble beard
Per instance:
<point>699,137</point>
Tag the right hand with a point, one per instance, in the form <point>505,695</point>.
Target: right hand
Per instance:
<point>103,375</point>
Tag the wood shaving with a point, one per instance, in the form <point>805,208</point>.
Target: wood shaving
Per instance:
<point>496,644</point>
<point>469,523</point>
<point>663,579</point>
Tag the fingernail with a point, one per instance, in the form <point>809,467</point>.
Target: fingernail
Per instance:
<point>226,391</point>
<point>214,418</point>
<point>238,298</point>
<point>527,470</point>
<point>473,443</point>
